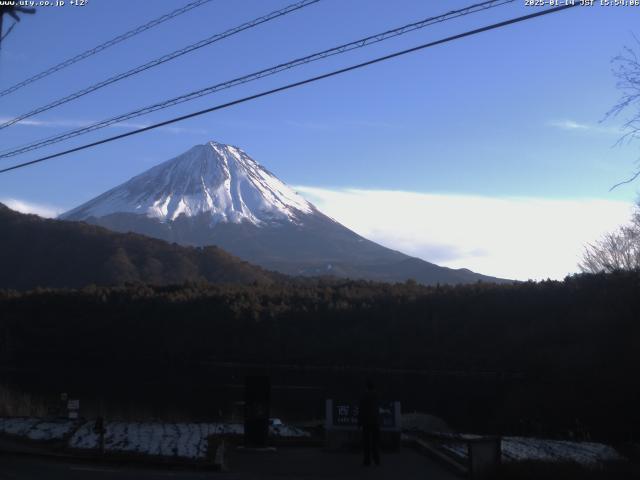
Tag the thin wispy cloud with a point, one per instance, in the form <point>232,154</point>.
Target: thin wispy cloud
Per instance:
<point>76,123</point>
<point>170,129</point>
<point>569,125</point>
<point>29,122</point>
<point>573,126</point>
<point>41,209</point>
<point>518,238</point>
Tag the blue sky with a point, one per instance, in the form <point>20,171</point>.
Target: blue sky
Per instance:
<point>506,115</point>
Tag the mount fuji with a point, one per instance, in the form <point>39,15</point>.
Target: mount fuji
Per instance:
<point>215,194</point>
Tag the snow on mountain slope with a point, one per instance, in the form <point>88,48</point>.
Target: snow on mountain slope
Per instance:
<point>215,179</point>
<point>215,194</point>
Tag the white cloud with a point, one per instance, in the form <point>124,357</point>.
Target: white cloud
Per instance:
<point>170,129</point>
<point>47,211</point>
<point>76,123</point>
<point>29,122</point>
<point>571,125</point>
<point>517,238</point>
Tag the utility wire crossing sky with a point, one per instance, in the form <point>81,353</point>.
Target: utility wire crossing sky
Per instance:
<point>103,46</point>
<point>360,43</point>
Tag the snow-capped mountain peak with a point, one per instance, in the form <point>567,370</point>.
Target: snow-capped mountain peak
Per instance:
<point>215,194</point>
<point>214,179</point>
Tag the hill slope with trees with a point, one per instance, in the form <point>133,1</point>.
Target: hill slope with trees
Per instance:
<point>36,252</point>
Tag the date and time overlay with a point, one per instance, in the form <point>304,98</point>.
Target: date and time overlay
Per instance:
<point>527,3</point>
<point>582,3</point>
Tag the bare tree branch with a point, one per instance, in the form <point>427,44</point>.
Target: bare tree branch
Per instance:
<point>626,70</point>
<point>619,250</point>
<point>624,182</point>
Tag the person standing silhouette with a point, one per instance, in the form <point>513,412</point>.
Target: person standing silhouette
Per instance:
<point>369,421</point>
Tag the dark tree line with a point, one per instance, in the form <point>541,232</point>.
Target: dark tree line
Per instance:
<point>573,344</point>
<point>37,252</point>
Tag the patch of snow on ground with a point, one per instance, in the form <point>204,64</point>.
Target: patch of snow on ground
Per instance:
<point>585,453</point>
<point>17,426</point>
<point>457,450</point>
<point>84,437</point>
<point>51,430</point>
<point>287,431</point>
<point>185,440</point>
<point>37,429</point>
<point>517,449</point>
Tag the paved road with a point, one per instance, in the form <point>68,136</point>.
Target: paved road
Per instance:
<point>310,463</point>
<point>19,467</point>
<point>286,463</point>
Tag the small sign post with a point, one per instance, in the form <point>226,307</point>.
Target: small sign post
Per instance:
<point>341,424</point>
<point>73,407</point>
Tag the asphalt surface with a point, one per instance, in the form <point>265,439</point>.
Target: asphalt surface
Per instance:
<point>285,463</point>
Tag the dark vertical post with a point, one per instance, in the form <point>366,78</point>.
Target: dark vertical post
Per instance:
<point>257,393</point>
<point>99,428</point>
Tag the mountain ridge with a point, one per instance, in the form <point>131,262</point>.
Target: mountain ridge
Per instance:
<point>216,194</point>
<point>38,252</point>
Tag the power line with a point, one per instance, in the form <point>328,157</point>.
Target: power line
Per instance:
<point>104,46</point>
<point>298,84</point>
<point>363,42</point>
<point>163,59</point>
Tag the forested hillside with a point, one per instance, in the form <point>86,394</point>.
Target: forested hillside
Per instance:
<point>567,350</point>
<point>35,252</point>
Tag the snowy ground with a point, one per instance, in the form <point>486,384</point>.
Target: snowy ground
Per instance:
<point>584,453</point>
<point>516,449</point>
<point>37,428</point>
<point>186,440</point>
